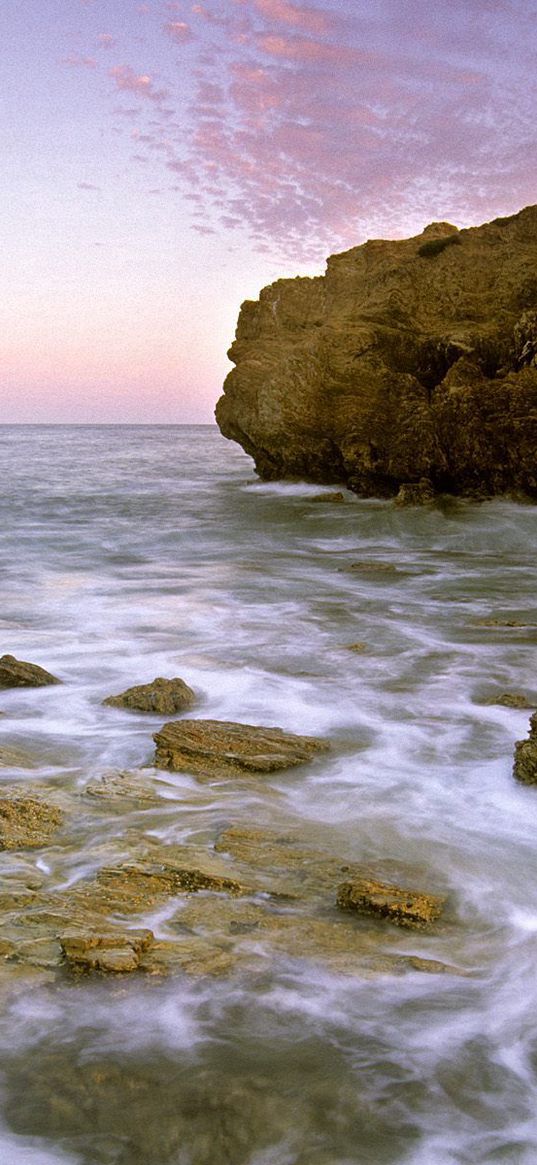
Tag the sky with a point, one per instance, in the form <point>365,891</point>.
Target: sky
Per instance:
<point>164,160</point>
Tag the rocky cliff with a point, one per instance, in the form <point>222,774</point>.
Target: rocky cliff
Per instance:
<point>409,365</point>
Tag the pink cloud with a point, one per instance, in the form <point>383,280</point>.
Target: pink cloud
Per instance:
<point>178,31</point>
<point>304,49</point>
<point>310,19</point>
<point>106,40</point>
<point>140,83</point>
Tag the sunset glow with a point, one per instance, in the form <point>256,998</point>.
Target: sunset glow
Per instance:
<point>165,160</point>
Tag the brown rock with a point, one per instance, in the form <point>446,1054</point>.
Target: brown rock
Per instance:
<point>336,497</point>
<point>116,951</point>
<point>26,822</point>
<point>511,700</point>
<point>525,766</point>
<point>219,748</point>
<point>165,697</point>
<point>415,493</point>
<point>408,908</point>
<point>409,361</point>
<point>16,673</point>
<point>138,885</point>
<point>121,787</point>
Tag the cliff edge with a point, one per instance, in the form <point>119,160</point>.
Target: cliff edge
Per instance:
<point>409,364</point>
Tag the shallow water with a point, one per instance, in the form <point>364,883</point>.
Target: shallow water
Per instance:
<point>132,552</point>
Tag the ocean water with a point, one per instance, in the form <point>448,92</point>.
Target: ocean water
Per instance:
<point>134,552</point>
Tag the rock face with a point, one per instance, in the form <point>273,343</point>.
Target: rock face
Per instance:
<point>163,696</point>
<point>525,766</point>
<point>408,364</point>
<point>16,673</point>
<point>220,748</point>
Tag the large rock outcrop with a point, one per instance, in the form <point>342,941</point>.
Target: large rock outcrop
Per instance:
<point>412,361</point>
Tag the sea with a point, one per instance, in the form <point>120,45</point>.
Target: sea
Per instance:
<point>131,552</point>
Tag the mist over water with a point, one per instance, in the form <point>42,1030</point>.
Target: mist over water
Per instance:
<point>134,552</point>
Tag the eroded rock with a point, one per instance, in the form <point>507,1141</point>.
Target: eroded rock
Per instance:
<point>16,673</point>
<point>116,951</point>
<point>409,908</point>
<point>525,766</point>
<point>162,696</point>
<point>219,748</point>
<point>409,361</point>
<point>26,822</point>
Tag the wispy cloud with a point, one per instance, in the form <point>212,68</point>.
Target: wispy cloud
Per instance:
<point>312,125</point>
<point>78,61</point>
<point>88,186</point>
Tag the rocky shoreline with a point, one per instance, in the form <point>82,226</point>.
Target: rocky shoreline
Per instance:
<point>238,901</point>
<point>409,369</point>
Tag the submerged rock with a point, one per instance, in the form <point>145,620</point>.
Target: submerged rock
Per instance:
<point>525,766</point>
<point>15,758</point>
<point>408,908</point>
<point>26,822</point>
<point>335,497</point>
<point>409,366</point>
<point>121,787</point>
<point>16,673</point>
<point>220,748</point>
<point>161,696</point>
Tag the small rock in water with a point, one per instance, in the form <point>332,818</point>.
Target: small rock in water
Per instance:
<point>162,696</point>
<point>113,952</point>
<point>16,673</point>
<point>335,498</point>
<point>525,766</point>
<point>415,493</point>
<point>511,700</point>
<point>404,907</point>
<point>26,822</point>
<point>220,748</point>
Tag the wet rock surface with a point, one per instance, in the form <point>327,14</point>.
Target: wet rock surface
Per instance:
<point>409,908</point>
<point>525,766</point>
<point>247,898</point>
<point>17,673</point>
<point>218,748</point>
<point>26,822</point>
<point>407,369</point>
<point>162,696</point>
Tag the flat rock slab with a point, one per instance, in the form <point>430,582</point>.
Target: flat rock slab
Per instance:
<point>136,886</point>
<point>410,908</point>
<point>161,696</point>
<point>525,766</point>
<point>220,748</point>
<point>117,952</point>
<point>26,822</point>
<point>16,673</point>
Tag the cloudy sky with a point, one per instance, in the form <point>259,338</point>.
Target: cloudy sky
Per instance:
<point>162,161</point>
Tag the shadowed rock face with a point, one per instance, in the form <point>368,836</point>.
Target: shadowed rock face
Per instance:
<point>409,363</point>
